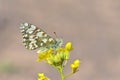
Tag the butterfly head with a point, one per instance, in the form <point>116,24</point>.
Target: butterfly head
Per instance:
<point>58,43</point>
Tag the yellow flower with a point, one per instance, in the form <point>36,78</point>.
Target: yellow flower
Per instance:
<point>56,57</point>
<point>75,65</point>
<point>44,55</point>
<point>63,53</point>
<point>68,46</point>
<point>54,60</point>
<point>41,76</point>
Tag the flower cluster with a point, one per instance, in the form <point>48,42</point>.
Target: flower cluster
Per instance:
<point>58,59</point>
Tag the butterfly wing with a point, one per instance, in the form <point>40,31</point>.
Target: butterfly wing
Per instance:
<point>34,37</point>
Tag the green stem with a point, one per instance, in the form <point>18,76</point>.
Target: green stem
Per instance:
<point>61,73</point>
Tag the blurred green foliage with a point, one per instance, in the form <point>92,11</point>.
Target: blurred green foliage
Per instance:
<point>8,67</point>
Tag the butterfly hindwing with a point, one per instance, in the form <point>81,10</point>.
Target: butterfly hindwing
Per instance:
<point>34,37</point>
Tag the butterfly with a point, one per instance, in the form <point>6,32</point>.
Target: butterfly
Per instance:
<point>35,38</point>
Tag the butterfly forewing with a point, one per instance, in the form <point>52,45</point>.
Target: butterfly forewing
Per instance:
<point>34,37</point>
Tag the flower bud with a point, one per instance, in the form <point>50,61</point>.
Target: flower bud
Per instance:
<point>68,46</point>
<point>75,66</point>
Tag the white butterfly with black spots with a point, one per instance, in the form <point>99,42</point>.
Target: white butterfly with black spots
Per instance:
<point>35,38</point>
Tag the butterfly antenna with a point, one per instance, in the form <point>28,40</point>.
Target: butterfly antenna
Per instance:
<point>55,34</point>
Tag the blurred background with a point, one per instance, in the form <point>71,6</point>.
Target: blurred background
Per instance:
<point>92,25</point>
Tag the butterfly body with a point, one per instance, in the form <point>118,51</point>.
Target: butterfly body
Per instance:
<point>36,38</point>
